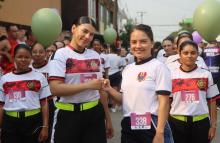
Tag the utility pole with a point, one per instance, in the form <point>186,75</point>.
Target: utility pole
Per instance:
<point>115,13</point>
<point>141,15</point>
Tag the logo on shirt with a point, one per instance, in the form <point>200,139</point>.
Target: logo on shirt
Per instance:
<point>201,84</point>
<point>69,64</point>
<point>31,85</point>
<point>142,76</point>
<point>94,65</point>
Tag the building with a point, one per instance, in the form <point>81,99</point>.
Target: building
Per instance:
<point>20,11</point>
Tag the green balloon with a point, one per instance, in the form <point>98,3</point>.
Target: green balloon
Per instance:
<point>206,19</point>
<point>110,35</point>
<point>46,26</point>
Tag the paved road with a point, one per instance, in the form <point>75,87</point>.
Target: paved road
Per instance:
<point>116,119</point>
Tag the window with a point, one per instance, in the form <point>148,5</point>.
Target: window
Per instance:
<point>92,8</point>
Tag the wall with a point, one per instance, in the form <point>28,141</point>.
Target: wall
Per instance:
<point>21,11</point>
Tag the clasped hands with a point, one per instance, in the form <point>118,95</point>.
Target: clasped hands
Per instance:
<point>99,84</point>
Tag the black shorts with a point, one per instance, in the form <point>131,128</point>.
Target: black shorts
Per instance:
<point>115,79</point>
<point>86,126</point>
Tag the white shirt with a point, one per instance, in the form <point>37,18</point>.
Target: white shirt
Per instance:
<point>104,62</point>
<point>198,82</point>
<point>161,53</point>
<point>115,63</point>
<point>44,69</point>
<point>176,64</point>
<point>75,68</point>
<point>141,85</point>
<point>130,58</point>
<point>21,92</point>
<point>162,58</point>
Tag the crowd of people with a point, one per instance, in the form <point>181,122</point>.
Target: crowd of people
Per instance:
<point>62,93</point>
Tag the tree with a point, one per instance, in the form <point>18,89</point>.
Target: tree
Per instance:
<point>125,35</point>
<point>186,25</point>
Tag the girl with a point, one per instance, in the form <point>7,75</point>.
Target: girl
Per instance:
<point>192,119</point>
<point>23,98</point>
<point>146,86</point>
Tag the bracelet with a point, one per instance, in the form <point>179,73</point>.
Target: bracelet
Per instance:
<point>44,127</point>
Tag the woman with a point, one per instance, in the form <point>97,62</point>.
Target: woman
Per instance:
<point>50,50</point>
<point>114,73</point>
<point>75,76</point>
<point>40,64</point>
<point>168,46</point>
<point>97,46</point>
<point>24,107</point>
<point>146,86</point>
<point>192,119</point>
<point>174,61</point>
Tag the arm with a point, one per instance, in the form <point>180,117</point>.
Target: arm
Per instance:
<point>109,126</point>
<point>1,115</point>
<point>163,112</point>
<point>213,119</point>
<point>106,72</point>
<point>117,96</point>
<point>59,88</point>
<point>45,115</point>
<point>7,55</point>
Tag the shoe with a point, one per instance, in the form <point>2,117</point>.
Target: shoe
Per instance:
<point>119,108</point>
<point>113,110</point>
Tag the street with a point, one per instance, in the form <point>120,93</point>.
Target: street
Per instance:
<point>116,119</point>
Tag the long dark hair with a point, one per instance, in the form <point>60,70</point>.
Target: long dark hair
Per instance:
<point>146,29</point>
<point>85,20</point>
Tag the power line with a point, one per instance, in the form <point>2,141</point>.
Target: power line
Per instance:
<point>165,25</point>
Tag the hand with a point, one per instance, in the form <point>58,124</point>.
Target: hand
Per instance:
<point>106,85</point>
<point>212,132</point>
<point>43,134</point>
<point>158,138</point>
<point>2,53</point>
<point>109,129</point>
<point>95,84</point>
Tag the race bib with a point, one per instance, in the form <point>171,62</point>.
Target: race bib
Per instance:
<point>191,96</point>
<point>15,95</point>
<point>140,122</point>
<point>87,77</point>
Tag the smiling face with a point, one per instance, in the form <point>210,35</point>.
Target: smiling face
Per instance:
<point>96,45</point>
<point>50,50</point>
<point>38,54</point>
<point>141,45</point>
<point>82,36</point>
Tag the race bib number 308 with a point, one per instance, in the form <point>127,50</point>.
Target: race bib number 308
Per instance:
<point>140,122</point>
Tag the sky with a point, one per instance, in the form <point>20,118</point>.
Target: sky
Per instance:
<point>162,15</point>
